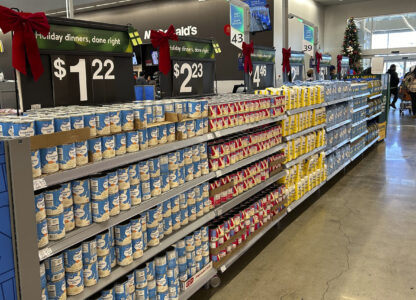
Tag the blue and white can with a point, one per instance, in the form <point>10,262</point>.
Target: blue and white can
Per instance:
<point>153,135</point>
<point>82,214</point>
<point>67,156</point>
<point>113,256</point>
<point>104,265</point>
<point>57,289</point>
<point>54,268</point>
<point>153,236</point>
<point>205,189</point>
<point>154,167</point>
<point>171,257</point>
<point>204,233</point>
<point>194,108</point>
<point>190,243</point>
<point>102,121</point>
<point>180,156</point>
<point>189,172</point>
<point>114,204</point>
<point>81,152</point>
<point>100,210</point>
<point>42,233</point>
<point>115,121</point>
<point>199,208</point>
<point>144,170</point>
<point>159,111</point>
<point>195,153</point>
<point>174,203</point>
<point>205,126</point>
<point>181,130</point>
<point>132,141</point>
<point>74,282</point>
<point>108,146</point>
<point>188,155</point>
<point>152,217</point>
<point>6,127</point>
<point>179,107</point>
<point>151,288</point>
<point>73,259</point>
<point>155,186</point>
<point>203,152</point>
<point>165,186</point>
<point>174,178</point>
<point>150,270</point>
<point>199,124</point>
<point>62,123</point>
<point>94,149</point>
<point>204,166</point>
<point>164,163</point>
<point>53,201</point>
<point>140,275</point>
<point>90,121</point>
<point>127,119</point>
<point>49,160</point>
<point>80,190</point>
<point>112,182</point>
<point>204,108</point>
<point>143,139</point>
<point>124,254</point>
<point>167,225</point>
<point>192,212</point>
<point>125,199</point>
<point>120,289</point>
<point>120,146</point>
<point>23,127</point>
<point>135,194</point>
<point>140,114</point>
<point>142,293</point>
<point>197,169</point>
<point>44,125</point>
<point>173,161</point>
<point>134,174</point>
<point>146,191</point>
<point>183,202</point>
<point>103,243</point>
<point>161,230</point>
<point>130,284</point>
<point>137,246</point>
<point>89,251</point>
<point>182,265</point>
<point>123,178</point>
<point>90,274</point>
<point>148,107</point>
<point>36,165</point>
<point>77,121</point>
<point>171,132</point>
<point>123,233</point>
<point>176,220</point>
<point>42,275</point>
<point>108,294</point>
<point>163,134</point>
<point>190,128</point>
<point>99,187</point>
<point>40,207</point>
<point>184,216</point>
<point>169,106</point>
<point>190,196</point>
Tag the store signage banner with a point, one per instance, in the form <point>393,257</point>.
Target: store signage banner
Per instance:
<point>190,49</point>
<point>72,38</point>
<point>237,26</point>
<point>308,39</point>
<point>263,55</point>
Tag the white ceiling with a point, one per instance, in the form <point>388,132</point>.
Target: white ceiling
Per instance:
<point>335,2</point>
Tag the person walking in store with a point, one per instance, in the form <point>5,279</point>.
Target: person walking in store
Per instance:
<point>332,72</point>
<point>309,75</point>
<point>394,83</point>
<point>409,83</point>
<point>141,80</point>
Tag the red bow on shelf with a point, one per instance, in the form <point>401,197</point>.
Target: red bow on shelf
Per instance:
<point>318,57</point>
<point>339,59</point>
<point>24,41</point>
<point>286,62</point>
<point>161,40</point>
<point>247,51</point>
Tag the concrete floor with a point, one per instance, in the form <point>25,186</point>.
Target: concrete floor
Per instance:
<point>354,242</point>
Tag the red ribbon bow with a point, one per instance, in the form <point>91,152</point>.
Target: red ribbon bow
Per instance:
<point>161,40</point>
<point>24,41</point>
<point>339,59</point>
<point>318,57</point>
<point>247,51</point>
<point>286,62</point>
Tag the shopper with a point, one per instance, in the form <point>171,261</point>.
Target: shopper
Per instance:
<point>141,80</point>
<point>394,83</point>
<point>409,83</point>
<point>332,72</point>
<point>309,75</point>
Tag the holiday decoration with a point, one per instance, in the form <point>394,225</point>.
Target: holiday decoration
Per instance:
<point>24,45</point>
<point>286,59</point>
<point>318,57</point>
<point>161,40</point>
<point>247,51</point>
<point>351,46</point>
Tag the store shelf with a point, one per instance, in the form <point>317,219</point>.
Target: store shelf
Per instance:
<point>250,193</point>
<point>118,161</point>
<point>364,149</point>
<point>197,283</point>
<point>332,149</point>
<point>361,95</point>
<point>306,131</point>
<point>338,170</point>
<point>304,156</point>
<point>374,116</point>
<point>236,129</point>
<point>80,234</point>
<point>360,108</point>
<point>359,122</point>
<point>358,136</point>
<point>336,101</point>
<point>302,109</point>
<point>250,243</point>
<point>249,160</point>
<point>118,271</point>
<point>306,196</point>
<point>375,96</point>
<point>338,125</point>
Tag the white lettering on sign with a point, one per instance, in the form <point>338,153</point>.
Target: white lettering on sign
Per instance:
<point>183,31</point>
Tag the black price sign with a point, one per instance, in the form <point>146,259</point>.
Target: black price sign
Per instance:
<point>84,63</point>
<point>188,78</point>
<point>263,69</point>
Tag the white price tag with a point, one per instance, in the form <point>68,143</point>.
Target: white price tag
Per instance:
<point>44,253</point>
<point>39,183</point>
<point>223,268</point>
<point>218,134</point>
<point>218,173</point>
<point>210,136</point>
<point>219,212</point>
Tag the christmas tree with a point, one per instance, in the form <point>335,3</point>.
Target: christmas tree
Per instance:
<point>351,46</point>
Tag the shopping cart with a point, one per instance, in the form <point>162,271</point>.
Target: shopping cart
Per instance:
<point>405,101</point>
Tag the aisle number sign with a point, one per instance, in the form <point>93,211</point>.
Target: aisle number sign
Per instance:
<point>237,22</point>
<point>308,39</point>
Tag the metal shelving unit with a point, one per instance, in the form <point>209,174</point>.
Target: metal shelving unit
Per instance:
<point>303,132</point>
<point>361,95</point>
<point>358,136</point>
<point>336,101</point>
<point>375,96</point>
<point>374,116</point>
<point>296,203</point>
<point>338,125</point>
<point>332,149</point>
<point>338,170</point>
<point>302,157</point>
<point>302,109</point>
<point>360,108</point>
<point>197,284</point>
<point>364,149</point>
<point>359,122</point>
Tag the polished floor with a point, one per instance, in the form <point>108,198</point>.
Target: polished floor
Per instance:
<point>357,241</point>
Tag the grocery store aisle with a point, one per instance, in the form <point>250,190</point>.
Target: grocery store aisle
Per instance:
<point>356,242</point>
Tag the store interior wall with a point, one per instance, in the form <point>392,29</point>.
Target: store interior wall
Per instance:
<point>336,18</point>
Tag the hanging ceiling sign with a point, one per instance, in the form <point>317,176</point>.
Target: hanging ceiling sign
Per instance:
<point>240,23</point>
<point>308,39</point>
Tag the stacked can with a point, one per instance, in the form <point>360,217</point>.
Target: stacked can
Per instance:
<point>162,288</point>
<point>140,279</point>
<point>137,237</point>
<point>164,171</point>
<point>44,291</point>
<point>152,225</point>
<point>123,176</point>
<point>66,153</point>
<point>55,213</point>
<point>124,252</point>
<point>167,217</point>
<point>135,187</point>
<point>89,260</point>
<point>172,273</point>
<point>68,202</point>
<point>99,198</point>
<point>82,205</point>
<point>55,277</point>
<point>41,223</point>
<point>113,193</point>
<point>74,274</point>
<point>43,125</point>
<point>103,253</point>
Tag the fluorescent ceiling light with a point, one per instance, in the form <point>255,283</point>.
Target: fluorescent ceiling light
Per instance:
<point>407,23</point>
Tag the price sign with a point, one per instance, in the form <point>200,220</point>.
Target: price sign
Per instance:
<point>239,23</point>
<point>188,78</point>
<point>84,63</point>
<point>263,69</point>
